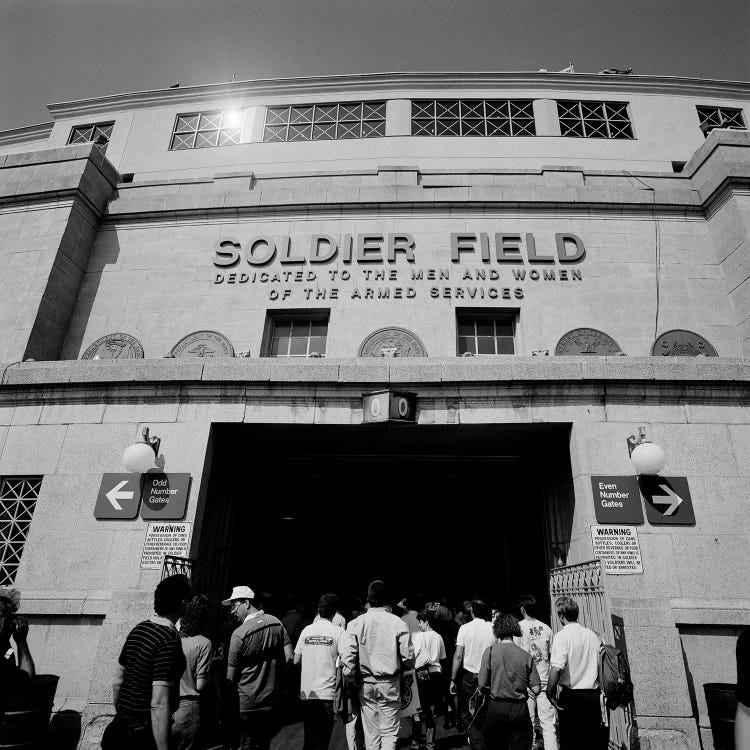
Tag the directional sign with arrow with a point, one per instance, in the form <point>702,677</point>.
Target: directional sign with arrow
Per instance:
<point>119,496</point>
<point>668,501</point>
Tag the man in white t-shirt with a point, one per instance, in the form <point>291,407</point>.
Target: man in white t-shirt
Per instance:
<point>429,652</point>
<point>574,665</point>
<point>536,639</point>
<point>319,648</point>
<point>471,642</point>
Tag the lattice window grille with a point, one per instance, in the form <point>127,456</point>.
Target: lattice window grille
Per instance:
<point>324,122</point>
<point>472,117</point>
<point>205,130</point>
<point>720,117</point>
<point>18,496</point>
<point>594,119</point>
<point>99,132</point>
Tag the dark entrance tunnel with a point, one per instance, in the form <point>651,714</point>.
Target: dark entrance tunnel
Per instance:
<point>437,511</point>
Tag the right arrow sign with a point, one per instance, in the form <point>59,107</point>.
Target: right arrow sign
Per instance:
<point>668,501</point>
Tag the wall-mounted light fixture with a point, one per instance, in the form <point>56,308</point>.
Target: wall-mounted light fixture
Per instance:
<point>647,457</point>
<point>140,456</point>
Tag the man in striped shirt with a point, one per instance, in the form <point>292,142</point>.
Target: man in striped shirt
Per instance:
<point>147,678</point>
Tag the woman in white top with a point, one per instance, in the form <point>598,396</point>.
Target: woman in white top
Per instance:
<point>429,651</point>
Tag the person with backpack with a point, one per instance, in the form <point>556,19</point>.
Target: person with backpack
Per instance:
<point>574,668</point>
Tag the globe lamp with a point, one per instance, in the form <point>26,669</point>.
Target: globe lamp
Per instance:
<point>648,458</point>
<point>140,456</point>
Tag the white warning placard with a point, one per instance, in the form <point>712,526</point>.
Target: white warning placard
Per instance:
<point>164,538</point>
<point>617,547</point>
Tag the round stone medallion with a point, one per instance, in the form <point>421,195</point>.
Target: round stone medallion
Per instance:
<point>114,346</point>
<point>392,342</point>
<point>587,341</point>
<point>203,344</point>
<point>680,343</point>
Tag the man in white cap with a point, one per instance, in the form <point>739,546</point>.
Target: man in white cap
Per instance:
<point>259,651</point>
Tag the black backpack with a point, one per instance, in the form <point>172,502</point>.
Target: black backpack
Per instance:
<point>614,677</point>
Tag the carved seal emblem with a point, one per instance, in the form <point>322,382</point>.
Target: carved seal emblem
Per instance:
<point>203,344</point>
<point>114,346</point>
<point>679,343</point>
<point>587,341</point>
<point>392,342</point>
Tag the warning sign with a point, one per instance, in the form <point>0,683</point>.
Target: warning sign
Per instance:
<point>164,539</point>
<point>617,547</point>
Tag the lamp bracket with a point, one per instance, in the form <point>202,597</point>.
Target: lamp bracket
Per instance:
<point>634,442</point>
<point>154,442</point>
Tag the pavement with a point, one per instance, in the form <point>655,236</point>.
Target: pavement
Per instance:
<point>291,737</point>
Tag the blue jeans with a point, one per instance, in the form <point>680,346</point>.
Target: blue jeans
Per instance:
<point>186,725</point>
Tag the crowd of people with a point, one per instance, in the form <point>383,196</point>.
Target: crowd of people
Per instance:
<point>486,672</point>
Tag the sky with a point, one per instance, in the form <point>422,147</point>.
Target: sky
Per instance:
<point>65,50</point>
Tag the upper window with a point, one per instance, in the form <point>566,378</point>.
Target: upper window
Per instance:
<point>594,119</point>
<point>18,496</point>
<point>720,117</point>
<point>206,129</point>
<point>482,117</point>
<point>325,122</point>
<point>99,133</point>
<point>297,334</point>
<point>485,332</point>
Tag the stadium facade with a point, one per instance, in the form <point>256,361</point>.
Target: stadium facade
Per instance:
<point>528,268</point>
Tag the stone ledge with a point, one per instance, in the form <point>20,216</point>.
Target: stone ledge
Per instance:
<point>62,603</point>
<point>614,372</point>
<point>711,611</point>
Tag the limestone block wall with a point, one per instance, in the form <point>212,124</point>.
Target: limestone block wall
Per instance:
<point>50,203</point>
<point>71,420</point>
<point>152,272</point>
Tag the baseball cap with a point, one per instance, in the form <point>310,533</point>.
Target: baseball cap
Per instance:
<point>239,592</point>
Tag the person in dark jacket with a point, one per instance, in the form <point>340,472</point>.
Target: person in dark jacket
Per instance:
<point>506,676</point>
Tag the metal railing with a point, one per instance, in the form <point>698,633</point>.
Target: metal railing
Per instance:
<point>586,583</point>
<point>174,565</point>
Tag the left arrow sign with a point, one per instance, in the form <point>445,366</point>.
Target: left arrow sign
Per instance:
<point>116,494</point>
<point>119,497</point>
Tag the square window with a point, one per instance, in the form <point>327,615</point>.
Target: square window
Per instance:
<point>99,133</point>
<point>301,115</point>
<point>325,122</point>
<point>277,115</point>
<point>296,333</point>
<point>298,346</point>
<point>484,332</point>
<point>586,119</point>
<point>466,345</point>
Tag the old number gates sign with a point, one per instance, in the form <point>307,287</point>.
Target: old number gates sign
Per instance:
<point>159,496</point>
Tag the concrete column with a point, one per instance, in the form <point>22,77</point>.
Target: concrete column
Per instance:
<point>255,120</point>
<point>545,116</point>
<point>398,117</point>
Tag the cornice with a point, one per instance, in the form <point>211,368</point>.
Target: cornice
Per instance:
<point>29,133</point>
<point>378,84</point>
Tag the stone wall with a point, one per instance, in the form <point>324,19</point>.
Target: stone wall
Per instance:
<point>50,206</point>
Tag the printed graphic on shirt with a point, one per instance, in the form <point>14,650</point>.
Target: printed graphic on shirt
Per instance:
<point>318,640</point>
<point>535,634</point>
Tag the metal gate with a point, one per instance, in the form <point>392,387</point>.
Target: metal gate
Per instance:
<point>586,583</point>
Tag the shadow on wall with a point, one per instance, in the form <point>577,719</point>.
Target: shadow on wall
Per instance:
<point>105,253</point>
<point>65,730</point>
